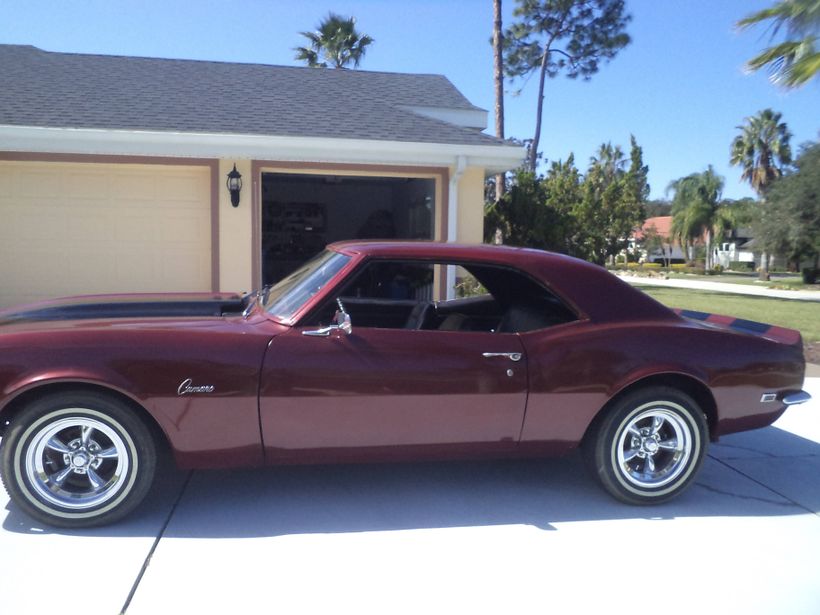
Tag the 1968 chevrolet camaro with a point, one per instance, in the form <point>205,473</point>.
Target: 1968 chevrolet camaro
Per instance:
<point>352,358</point>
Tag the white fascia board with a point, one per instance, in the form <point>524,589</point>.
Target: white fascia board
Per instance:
<point>493,158</point>
<point>468,118</point>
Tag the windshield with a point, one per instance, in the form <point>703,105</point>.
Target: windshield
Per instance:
<point>291,293</point>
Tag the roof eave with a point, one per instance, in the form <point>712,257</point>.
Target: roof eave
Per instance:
<point>34,139</point>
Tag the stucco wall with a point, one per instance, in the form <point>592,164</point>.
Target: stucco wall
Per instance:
<point>235,230</point>
<point>471,206</point>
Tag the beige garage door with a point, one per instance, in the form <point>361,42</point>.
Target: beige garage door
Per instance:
<point>70,229</point>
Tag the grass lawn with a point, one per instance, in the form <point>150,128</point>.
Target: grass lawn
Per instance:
<point>801,315</point>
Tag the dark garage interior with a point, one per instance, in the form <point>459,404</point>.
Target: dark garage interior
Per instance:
<point>302,213</point>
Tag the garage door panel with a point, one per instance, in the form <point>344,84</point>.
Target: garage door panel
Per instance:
<point>6,182</point>
<point>96,228</point>
<point>133,266</point>
<point>130,225</point>
<point>182,187</point>
<point>89,267</point>
<point>185,267</point>
<point>85,184</point>
<point>89,227</point>
<point>184,229</point>
<point>133,185</point>
<point>38,184</point>
<point>30,225</point>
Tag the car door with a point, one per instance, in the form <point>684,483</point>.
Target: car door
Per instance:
<point>380,387</point>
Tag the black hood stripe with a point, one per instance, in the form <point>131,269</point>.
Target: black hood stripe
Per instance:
<point>145,309</point>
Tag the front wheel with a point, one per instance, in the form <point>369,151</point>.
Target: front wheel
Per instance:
<point>649,446</point>
<point>77,460</point>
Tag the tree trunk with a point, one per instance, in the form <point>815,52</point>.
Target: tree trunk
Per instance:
<point>539,111</point>
<point>498,77</point>
<point>764,266</point>
<point>708,260</point>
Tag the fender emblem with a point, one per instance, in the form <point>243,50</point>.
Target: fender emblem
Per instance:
<point>187,386</point>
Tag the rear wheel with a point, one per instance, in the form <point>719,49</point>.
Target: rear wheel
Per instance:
<point>649,446</point>
<point>77,460</point>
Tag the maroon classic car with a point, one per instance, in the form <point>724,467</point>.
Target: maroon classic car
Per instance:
<point>356,357</point>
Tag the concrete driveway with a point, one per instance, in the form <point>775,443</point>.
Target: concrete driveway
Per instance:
<point>486,537</point>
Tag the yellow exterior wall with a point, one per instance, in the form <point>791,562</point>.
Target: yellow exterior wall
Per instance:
<point>471,206</point>
<point>236,247</point>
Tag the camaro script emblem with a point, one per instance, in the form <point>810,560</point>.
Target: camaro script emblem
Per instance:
<point>187,386</point>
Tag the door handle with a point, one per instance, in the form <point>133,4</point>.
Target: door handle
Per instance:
<point>512,356</point>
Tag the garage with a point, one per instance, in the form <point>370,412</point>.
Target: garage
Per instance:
<point>127,189</point>
<point>303,212</point>
<point>78,228</point>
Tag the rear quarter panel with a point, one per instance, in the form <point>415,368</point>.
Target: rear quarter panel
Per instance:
<point>576,369</point>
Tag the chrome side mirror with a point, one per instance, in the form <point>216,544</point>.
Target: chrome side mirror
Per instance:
<point>341,322</point>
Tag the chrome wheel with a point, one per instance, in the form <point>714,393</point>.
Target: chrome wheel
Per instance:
<point>76,462</point>
<point>648,445</point>
<point>654,446</point>
<point>78,459</point>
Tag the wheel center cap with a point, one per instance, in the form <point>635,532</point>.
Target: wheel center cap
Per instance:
<point>79,460</point>
<point>650,446</point>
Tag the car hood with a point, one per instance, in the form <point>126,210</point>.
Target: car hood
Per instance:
<point>126,306</point>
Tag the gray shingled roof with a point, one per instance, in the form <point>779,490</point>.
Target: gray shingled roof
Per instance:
<point>64,90</point>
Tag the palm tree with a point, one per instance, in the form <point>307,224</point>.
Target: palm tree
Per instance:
<point>796,60</point>
<point>498,83</point>
<point>696,210</point>
<point>334,42</point>
<point>762,150</point>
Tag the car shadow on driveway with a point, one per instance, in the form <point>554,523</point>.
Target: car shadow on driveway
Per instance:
<point>764,473</point>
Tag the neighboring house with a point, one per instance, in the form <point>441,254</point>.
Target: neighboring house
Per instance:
<point>113,169</point>
<point>668,251</point>
<point>736,247</point>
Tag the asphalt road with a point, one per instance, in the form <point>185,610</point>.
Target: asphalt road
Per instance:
<point>485,537</point>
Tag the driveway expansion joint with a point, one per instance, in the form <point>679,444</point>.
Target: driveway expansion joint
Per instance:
<point>156,544</point>
<point>762,484</point>
<point>784,503</point>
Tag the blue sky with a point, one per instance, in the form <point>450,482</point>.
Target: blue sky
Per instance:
<point>679,87</point>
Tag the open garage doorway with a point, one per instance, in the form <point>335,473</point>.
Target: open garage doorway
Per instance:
<point>303,213</point>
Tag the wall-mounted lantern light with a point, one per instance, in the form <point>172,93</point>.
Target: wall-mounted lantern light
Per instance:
<point>234,185</point>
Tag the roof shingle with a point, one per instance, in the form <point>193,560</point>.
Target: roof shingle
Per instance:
<point>63,90</point>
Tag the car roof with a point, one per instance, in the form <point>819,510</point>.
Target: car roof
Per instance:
<point>442,250</point>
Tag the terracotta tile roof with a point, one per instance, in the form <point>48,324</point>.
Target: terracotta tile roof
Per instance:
<point>45,89</point>
<point>662,225</point>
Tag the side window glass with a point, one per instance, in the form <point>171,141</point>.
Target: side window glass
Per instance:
<point>396,281</point>
<point>491,299</point>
